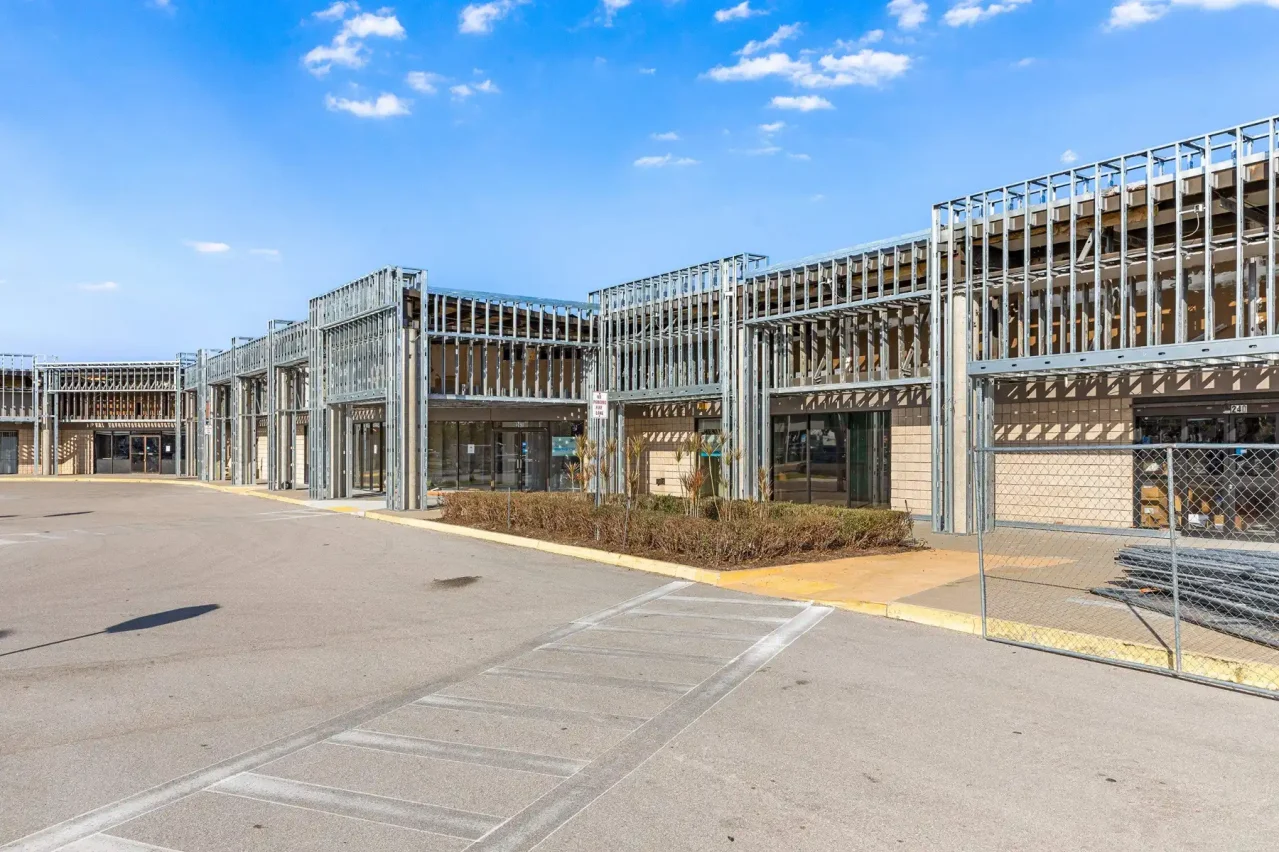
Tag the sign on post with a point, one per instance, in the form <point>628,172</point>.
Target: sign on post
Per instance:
<point>599,405</point>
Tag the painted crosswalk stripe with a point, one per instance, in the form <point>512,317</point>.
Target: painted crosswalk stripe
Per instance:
<point>695,634</point>
<point>542,764</point>
<point>528,711</point>
<point>744,601</point>
<point>349,803</point>
<point>111,843</point>
<point>635,653</point>
<point>591,679</point>
<point>758,619</point>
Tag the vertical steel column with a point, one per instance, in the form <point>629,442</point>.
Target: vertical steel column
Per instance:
<point>1179,285</point>
<point>936,362</point>
<point>1240,330</point>
<point>1270,232</point>
<point>37,412</point>
<point>1124,288</point>
<point>272,411</point>
<point>1210,280</point>
<point>177,420</point>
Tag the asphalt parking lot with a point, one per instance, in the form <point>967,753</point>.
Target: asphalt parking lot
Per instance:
<point>190,670</point>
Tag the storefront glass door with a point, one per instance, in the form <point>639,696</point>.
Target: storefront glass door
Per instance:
<point>520,459</point>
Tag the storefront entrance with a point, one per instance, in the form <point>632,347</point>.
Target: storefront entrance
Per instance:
<point>133,452</point>
<point>836,459</point>
<point>1226,489</point>
<point>520,459</point>
<point>368,466</point>
<point>516,455</point>
<point>8,452</point>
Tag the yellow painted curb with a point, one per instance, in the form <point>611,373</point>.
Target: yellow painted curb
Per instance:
<point>1258,675</point>
<point>101,480</point>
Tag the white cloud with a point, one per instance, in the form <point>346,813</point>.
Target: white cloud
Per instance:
<point>865,68</point>
<point>1024,63</point>
<point>766,150</point>
<point>803,103</point>
<point>1069,157</point>
<point>1133,13</point>
<point>274,254</point>
<point>462,91</point>
<point>872,37</point>
<point>164,6</point>
<point>663,161</point>
<point>785,32</point>
<point>382,23</point>
<point>969,12</point>
<point>648,71</point>
<point>386,105</point>
<point>335,12</point>
<point>207,248</point>
<point>774,127</point>
<point>323,57</point>
<point>610,8</point>
<point>909,13</point>
<point>817,198</point>
<point>347,48</point>
<point>668,136</point>
<point>479,18</point>
<point>99,287</point>
<point>803,157</point>
<point>426,82</point>
<point>739,12</point>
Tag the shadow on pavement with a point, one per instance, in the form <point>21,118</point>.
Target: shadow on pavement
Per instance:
<point>144,622</point>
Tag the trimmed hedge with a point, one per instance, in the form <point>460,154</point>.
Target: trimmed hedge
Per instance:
<point>726,534</point>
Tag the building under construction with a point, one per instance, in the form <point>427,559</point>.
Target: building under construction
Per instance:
<point>1116,303</point>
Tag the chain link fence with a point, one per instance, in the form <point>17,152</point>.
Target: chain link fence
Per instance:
<point>1162,557</point>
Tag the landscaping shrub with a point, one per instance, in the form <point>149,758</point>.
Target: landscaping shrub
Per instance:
<point>724,533</point>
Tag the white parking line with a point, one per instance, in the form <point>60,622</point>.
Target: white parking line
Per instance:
<point>759,619</point>
<point>111,843</point>
<point>591,679</point>
<point>520,761</point>
<point>397,812</point>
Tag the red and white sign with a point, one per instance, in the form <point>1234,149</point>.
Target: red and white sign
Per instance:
<point>599,405</point>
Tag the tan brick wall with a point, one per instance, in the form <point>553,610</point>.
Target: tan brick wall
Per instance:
<point>664,436</point>
<point>1093,489</point>
<point>911,460</point>
<point>75,451</point>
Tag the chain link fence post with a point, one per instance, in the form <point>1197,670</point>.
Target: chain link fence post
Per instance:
<point>1172,551</point>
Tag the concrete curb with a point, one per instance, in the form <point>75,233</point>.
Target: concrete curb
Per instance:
<point>1256,675</point>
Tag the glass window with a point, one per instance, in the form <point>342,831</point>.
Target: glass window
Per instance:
<point>1159,430</point>
<point>563,453</point>
<point>102,446</point>
<point>828,459</point>
<point>790,471</point>
<point>448,452</point>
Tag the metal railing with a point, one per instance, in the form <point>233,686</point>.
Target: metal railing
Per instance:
<point>1157,556</point>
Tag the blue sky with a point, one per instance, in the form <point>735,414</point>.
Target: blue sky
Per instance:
<point>175,173</point>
